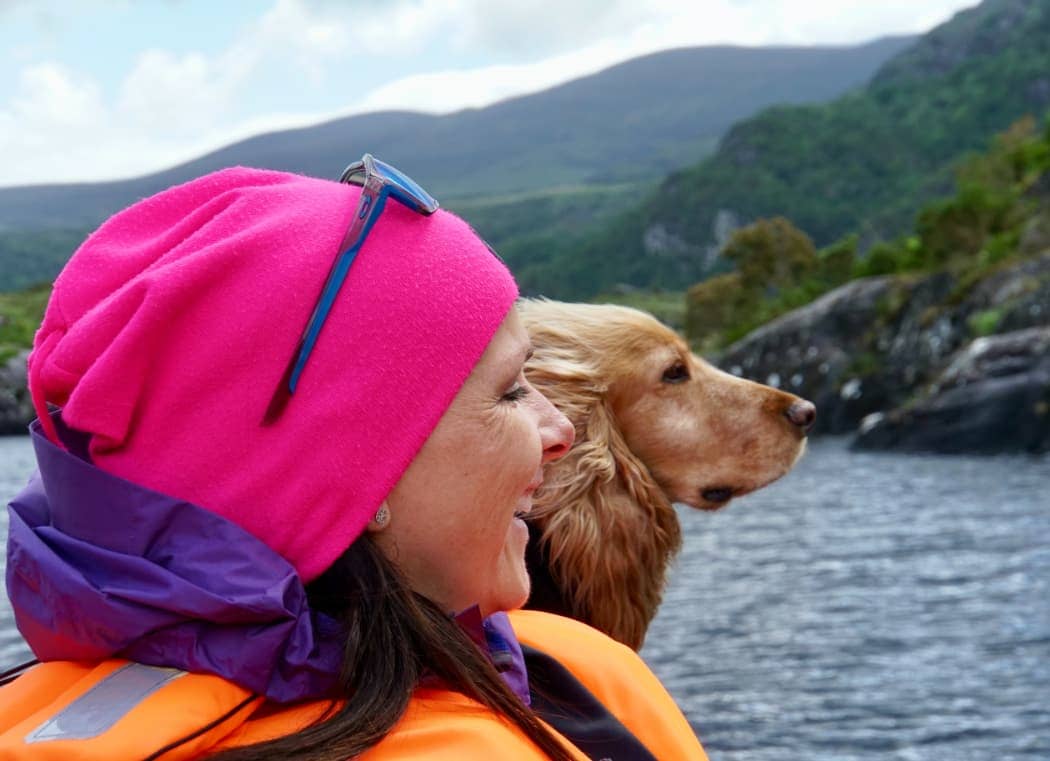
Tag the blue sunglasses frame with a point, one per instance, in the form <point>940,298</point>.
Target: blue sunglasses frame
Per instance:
<point>378,181</point>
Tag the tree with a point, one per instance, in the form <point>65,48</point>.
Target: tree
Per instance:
<point>771,255</point>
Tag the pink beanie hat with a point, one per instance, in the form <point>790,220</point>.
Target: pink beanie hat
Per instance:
<point>171,326</point>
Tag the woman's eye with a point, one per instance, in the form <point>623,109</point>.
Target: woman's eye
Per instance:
<point>516,394</point>
<point>676,373</point>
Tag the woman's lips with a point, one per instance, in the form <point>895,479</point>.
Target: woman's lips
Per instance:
<point>535,484</point>
<point>525,502</point>
<point>526,498</point>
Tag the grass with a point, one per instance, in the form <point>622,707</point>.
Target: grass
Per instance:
<point>20,315</point>
<point>985,323</point>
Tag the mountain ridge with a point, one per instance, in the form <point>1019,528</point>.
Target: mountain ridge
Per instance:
<point>511,146</point>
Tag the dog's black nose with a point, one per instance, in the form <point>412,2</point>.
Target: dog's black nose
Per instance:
<point>802,414</point>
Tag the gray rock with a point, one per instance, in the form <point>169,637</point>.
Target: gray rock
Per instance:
<point>819,352</point>
<point>874,345</point>
<point>1035,237</point>
<point>994,397</point>
<point>16,408</point>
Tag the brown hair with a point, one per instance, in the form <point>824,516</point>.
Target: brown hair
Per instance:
<point>393,636</point>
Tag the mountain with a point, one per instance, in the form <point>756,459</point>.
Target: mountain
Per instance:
<point>861,163</point>
<point>593,138</point>
<point>636,120</point>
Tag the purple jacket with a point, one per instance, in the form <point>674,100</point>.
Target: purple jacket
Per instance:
<point>98,567</point>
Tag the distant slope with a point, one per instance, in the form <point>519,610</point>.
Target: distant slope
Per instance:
<point>635,121</point>
<point>860,163</point>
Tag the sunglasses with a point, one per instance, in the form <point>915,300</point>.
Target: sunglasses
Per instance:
<point>378,182</point>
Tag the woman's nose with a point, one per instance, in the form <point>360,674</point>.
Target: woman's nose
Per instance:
<point>556,432</point>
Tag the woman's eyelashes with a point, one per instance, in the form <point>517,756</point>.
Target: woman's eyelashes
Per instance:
<point>516,393</point>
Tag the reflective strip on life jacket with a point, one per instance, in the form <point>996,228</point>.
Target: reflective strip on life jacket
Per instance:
<point>116,710</point>
<point>98,709</point>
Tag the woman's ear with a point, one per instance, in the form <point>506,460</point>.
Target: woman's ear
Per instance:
<point>381,519</point>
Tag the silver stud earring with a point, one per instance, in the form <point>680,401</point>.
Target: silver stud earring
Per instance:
<point>382,516</point>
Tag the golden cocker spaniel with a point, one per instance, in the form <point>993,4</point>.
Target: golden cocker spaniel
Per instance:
<point>655,424</point>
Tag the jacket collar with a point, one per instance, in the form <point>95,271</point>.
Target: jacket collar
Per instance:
<point>495,636</point>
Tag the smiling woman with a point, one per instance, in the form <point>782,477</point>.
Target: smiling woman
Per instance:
<point>280,496</point>
<point>448,548</point>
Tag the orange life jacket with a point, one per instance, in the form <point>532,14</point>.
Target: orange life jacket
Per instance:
<point>118,710</point>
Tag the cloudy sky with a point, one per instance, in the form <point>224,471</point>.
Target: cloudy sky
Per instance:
<point>100,89</point>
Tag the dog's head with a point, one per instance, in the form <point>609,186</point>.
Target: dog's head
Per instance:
<point>704,435</point>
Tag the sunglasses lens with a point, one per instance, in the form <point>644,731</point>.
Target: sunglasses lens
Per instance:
<point>405,189</point>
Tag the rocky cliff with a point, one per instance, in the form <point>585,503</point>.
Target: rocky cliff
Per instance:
<point>993,397</point>
<point>943,364</point>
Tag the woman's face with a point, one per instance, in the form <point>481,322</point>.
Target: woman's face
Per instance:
<point>454,527</point>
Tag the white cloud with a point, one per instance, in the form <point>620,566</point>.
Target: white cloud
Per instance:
<point>542,27</point>
<point>50,93</point>
<point>450,90</point>
<point>292,32</point>
<point>168,107</point>
<point>185,93</point>
<point>52,109</point>
<point>509,29</point>
<point>57,125</point>
<point>847,21</point>
<point>165,93</point>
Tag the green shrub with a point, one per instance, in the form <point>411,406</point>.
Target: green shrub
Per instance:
<point>20,315</point>
<point>882,259</point>
<point>835,262</point>
<point>770,254</point>
<point>711,306</point>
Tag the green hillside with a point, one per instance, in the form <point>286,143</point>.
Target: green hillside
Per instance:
<point>20,315</point>
<point>861,163</point>
<point>29,257</point>
<point>999,215</point>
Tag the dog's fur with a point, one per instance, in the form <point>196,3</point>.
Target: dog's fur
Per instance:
<point>655,424</point>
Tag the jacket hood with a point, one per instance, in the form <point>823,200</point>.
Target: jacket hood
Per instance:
<point>99,566</point>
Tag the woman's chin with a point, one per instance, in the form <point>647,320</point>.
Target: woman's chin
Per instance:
<point>509,601</point>
<point>512,579</point>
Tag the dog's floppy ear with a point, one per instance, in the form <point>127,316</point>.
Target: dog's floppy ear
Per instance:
<point>608,538</point>
<point>607,530</point>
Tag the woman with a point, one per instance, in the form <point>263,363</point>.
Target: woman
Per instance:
<point>272,524</point>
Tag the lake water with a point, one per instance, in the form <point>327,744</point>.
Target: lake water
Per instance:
<point>865,607</point>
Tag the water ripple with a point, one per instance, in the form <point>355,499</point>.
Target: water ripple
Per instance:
<point>868,606</point>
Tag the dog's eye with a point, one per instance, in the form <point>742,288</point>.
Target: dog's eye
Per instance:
<point>676,373</point>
